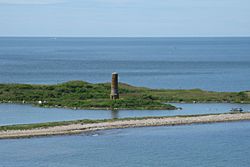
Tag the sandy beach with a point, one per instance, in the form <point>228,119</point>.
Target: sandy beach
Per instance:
<point>81,128</point>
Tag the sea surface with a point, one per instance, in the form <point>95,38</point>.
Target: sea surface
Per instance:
<point>25,114</point>
<point>204,145</point>
<point>219,64</point>
<point>216,64</point>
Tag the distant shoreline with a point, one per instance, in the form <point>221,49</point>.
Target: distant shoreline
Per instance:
<point>83,126</point>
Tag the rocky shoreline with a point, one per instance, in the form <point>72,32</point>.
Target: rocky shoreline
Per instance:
<point>114,124</point>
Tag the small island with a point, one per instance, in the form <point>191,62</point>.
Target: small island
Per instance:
<point>84,95</point>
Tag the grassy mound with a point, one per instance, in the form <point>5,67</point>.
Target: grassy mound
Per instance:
<point>83,95</point>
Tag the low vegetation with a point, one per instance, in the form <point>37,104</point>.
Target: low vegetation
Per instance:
<point>83,95</point>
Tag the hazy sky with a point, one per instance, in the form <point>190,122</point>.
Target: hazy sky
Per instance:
<point>124,17</point>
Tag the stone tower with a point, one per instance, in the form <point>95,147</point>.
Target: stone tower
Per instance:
<point>114,87</point>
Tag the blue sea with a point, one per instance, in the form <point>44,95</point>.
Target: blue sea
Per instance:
<point>219,64</point>
<point>216,64</point>
<point>25,114</point>
<point>207,145</point>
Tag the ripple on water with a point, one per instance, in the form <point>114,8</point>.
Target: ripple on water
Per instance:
<point>219,144</point>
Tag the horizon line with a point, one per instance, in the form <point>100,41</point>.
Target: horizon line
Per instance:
<point>40,36</point>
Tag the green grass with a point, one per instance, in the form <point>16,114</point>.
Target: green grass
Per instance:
<point>83,95</point>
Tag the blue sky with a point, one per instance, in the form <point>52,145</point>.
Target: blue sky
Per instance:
<point>100,18</point>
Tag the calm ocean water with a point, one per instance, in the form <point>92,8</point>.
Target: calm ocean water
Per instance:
<point>25,114</point>
<point>220,145</point>
<point>221,64</point>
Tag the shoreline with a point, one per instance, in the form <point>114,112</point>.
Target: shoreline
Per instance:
<point>76,128</point>
<point>94,108</point>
